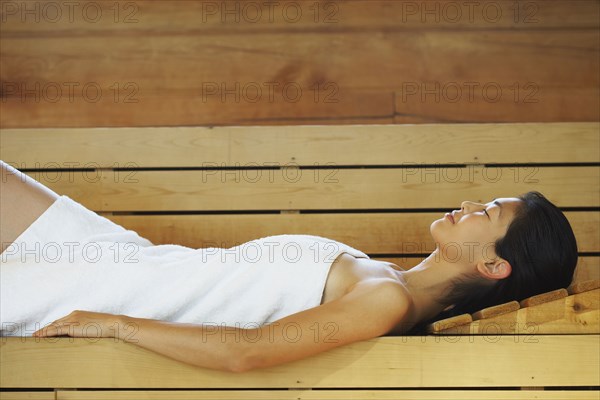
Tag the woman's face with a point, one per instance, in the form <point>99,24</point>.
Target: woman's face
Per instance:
<point>475,228</point>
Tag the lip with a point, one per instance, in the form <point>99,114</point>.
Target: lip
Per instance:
<point>450,217</point>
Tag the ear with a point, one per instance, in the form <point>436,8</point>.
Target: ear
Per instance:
<point>497,269</point>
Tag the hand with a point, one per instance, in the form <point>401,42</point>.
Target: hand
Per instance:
<point>83,324</point>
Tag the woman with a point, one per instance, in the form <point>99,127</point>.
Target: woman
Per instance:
<point>486,254</point>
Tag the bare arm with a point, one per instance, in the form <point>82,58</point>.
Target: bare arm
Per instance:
<point>22,201</point>
<point>371,309</point>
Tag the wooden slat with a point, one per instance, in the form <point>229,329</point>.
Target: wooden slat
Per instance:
<point>27,395</point>
<point>339,189</point>
<point>432,362</point>
<point>449,323</point>
<point>170,93</point>
<point>543,298</point>
<point>552,104</point>
<point>330,395</point>
<point>397,59</point>
<point>379,233</point>
<point>170,108</point>
<point>575,314</point>
<point>522,101</point>
<point>584,286</point>
<point>144,17</point>
<point>401,145</point>
<point>494,311</point>
<point>549,104</point>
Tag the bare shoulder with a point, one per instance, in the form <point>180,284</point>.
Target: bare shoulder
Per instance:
<point>347,270</point>
<point>385,298</point>
<point>367,286</point>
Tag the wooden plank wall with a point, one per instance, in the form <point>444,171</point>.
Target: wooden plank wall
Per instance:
<point>376,188</point>
<point>184,63</point>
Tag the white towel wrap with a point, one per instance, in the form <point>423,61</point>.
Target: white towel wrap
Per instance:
<point>71,258</point>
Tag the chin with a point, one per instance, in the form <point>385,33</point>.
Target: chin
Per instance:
<point>439,230</point>
<point>434,224</point>
<point>434,227</point>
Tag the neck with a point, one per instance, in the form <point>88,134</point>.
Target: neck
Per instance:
<point>426,282</point>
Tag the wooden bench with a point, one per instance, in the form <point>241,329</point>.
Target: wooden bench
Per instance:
<point>376,188</point>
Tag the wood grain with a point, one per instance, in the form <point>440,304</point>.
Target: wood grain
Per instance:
<point>309,146</point>
<point>150,17</point>
<point>571,57</point>
<point>584,285</point>
<point>575,314</point>
<point>370,363</point>
<point>336,189</point>
<point>169,56</point>
<point>523,101</point>
<point>544,298</point>
<point>309,394</point>
<point>496,310</point>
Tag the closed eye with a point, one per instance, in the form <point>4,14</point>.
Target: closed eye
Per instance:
<point>488,215</point>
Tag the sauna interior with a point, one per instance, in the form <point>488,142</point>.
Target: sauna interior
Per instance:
<point>213,123</point>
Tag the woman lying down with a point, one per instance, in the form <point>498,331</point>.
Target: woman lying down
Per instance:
<point>66,271</point>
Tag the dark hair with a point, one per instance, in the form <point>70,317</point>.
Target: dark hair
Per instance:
<point>541,248</point>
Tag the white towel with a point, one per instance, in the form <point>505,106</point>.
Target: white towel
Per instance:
<point>71,258</point>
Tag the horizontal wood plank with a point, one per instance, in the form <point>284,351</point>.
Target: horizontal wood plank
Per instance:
<point>551,45</point>
<point>414,103</point>
<point>148,17</point>
<point>48,395</point>
<point>356,394</point>
<point>292,188</point>
<point>334,106</point>
<point>380,362</point>
<point>544,298</point>
<point>135,106</point>
<point>524,101</point>
<point>500,57</point>
<point>496,310</point>
<point>584,286</point>
<point>378,233</point>
<point>262,146</point>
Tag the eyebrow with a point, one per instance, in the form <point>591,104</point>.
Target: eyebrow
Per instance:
<point>496,202</point>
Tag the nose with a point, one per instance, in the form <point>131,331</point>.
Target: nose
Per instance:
<point>468,206</point>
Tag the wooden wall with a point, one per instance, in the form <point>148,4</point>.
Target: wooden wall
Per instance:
<point>376,188</point>
<point>190,63</point>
